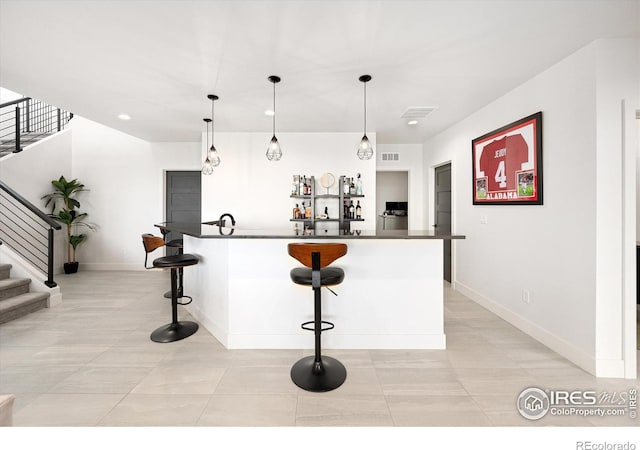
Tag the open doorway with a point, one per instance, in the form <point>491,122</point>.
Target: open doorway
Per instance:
<point>392,200</point>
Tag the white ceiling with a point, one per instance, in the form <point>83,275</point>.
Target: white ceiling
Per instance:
<point>157,61</point>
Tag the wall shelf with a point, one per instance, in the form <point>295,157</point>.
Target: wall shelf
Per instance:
<point>341,197</point>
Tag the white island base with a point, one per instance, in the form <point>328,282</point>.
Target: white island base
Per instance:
<point>391,297</point>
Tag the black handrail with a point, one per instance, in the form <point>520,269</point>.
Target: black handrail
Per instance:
<point>18,231</point>
<point>27,204</point>
<point>15,102</point>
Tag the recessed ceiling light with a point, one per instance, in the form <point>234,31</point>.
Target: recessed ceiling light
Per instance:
<point>412,122</point>
<point>124,117</point>
<point>269,112</point>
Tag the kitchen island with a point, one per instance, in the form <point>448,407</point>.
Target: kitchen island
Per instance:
<point>391,297</point>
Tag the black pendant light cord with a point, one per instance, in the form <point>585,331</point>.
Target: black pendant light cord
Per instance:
<point>274,108</point>
<point>213,99</point>
<point>365,108</point>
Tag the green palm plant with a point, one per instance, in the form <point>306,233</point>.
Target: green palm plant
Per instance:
<point>65,192</point>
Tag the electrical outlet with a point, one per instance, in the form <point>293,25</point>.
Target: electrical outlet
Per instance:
<point>526,296</point>
<point>483,219</point>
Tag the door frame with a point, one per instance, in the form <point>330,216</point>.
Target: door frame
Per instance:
<point>431,215</point>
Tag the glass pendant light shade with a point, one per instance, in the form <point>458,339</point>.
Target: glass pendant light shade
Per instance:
<point>207,167</point>
<point>274,152</point>
<point>365,149</point>
<point>213,154</point>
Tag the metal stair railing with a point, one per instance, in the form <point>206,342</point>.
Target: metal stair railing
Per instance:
<point>27,120</point>
<point>27,231</point>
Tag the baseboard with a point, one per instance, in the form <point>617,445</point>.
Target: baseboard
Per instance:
<point>558,345</point>
<point>336,341</point>
<point>110,267</point>
<point>329,340</point>
<point>218,332</point>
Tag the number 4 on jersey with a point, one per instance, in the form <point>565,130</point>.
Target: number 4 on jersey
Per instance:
<point>501,175</point>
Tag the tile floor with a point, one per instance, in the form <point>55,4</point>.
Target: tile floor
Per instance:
<point>90,362</point>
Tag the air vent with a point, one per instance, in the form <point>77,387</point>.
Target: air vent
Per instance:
<point>390,156</point>
<point>418,112</point>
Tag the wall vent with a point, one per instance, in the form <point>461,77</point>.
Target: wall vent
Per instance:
<point>390,156</point>
<point>418,112</point>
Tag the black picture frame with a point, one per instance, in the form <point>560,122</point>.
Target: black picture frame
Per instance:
<point>507,164</point>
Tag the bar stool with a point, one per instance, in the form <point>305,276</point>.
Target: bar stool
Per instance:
<point>179,245</point>
<point>176,330</point>
<point>317,373</point>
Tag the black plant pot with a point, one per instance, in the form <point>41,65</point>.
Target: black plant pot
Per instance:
<point>71,267</point>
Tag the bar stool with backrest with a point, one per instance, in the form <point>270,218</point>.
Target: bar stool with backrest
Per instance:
<point>176,330</point>
<point>317,373</point>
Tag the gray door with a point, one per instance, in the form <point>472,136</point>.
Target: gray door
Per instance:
<point>183,200</point>
<point>443,212</point>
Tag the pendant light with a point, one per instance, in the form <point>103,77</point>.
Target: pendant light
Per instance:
<point>207,168</point>
<point>274,153</point>
<point>214,157</point>
<point>365,150</point>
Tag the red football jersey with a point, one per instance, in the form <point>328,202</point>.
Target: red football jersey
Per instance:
<point>501,159</point>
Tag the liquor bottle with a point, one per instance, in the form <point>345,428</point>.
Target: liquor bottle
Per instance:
<point>345,210</point>
<point>294,186</point>
<point>359,186</point>
<point>302,211</point>
<point>301,188</point>
<point>358,211</point>
<point>351,210</point>
<point>296,212</point>
<point>307,212</point>
<point>326,212</point>
<point>345,186</point>
<point>352,188</point>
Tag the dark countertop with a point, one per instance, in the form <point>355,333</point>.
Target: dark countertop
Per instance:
<point>212,231</point>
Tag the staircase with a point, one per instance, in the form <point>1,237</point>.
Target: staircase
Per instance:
<point>15,299</point>
<point>8,147</point>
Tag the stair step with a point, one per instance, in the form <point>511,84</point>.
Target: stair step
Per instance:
<point>6,409</point>
<point>21,305</point>
<point>5,269</point>
<point>12,287</point>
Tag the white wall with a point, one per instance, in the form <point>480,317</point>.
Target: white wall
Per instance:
<point>6,95</point>
<point>125,176</point>
<point>30,172</point>
<point>551,250</point>
<point>256,191</point>
<point>410,160</point>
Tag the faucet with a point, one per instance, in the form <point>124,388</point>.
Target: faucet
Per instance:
<point>221,219</point>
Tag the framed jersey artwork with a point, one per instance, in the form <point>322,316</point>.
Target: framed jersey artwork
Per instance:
<point>507,164</point>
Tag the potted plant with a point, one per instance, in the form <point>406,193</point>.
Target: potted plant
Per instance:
<point>65,191</point>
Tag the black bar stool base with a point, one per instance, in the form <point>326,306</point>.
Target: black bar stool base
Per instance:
<point>174,331</point>
<point>330,378</point>
<point>168,294</point>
